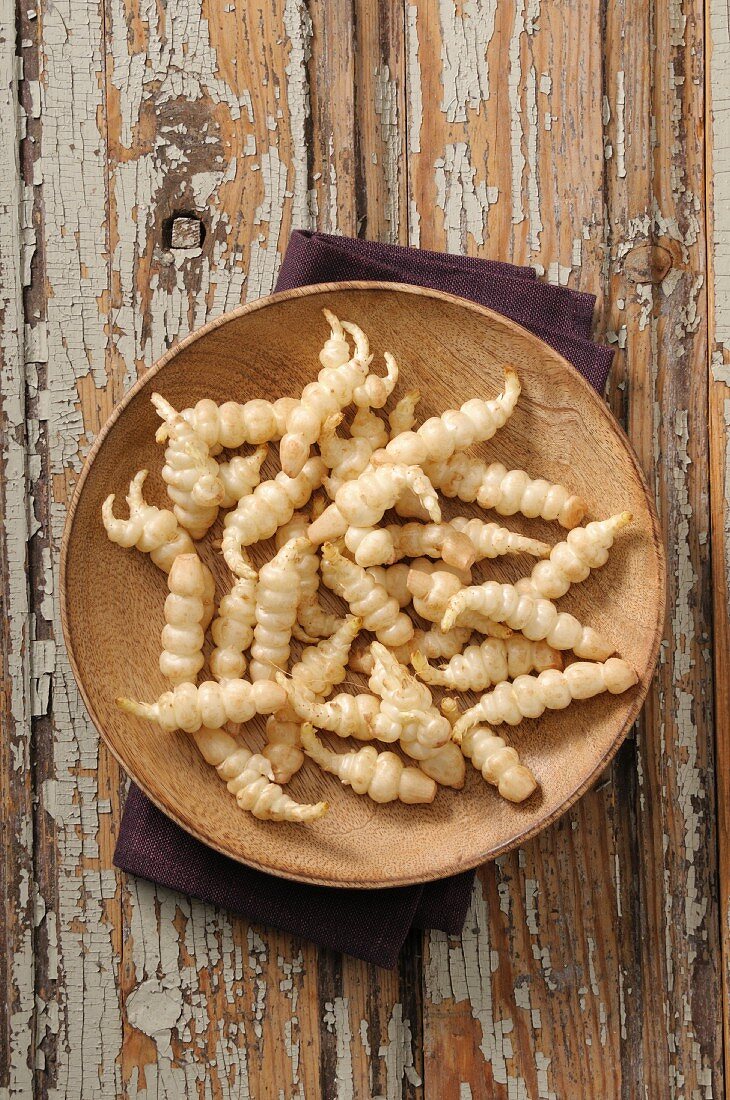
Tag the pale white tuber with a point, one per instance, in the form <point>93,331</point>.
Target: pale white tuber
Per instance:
<point>277,599</point>
<point>231,424</point>
<point>505,491</point>
<point>190,473</point>
<point>381,775</point>
<point>492,541</point>
<point>531,696</point>
<point>312,620</point>
<point>249,776</point>
<point>498,762</point>
<point>191,589</point>
<point>188,707</point>
<point>366,598</point>
<point>571,561</point>
<point>334,389</point>
<point>537,618</point>
<point>240,476</point>
<point>152,530</point>
<point>481,666</point>
<point>271,504</point>
<point>232,628</point>
<point>455,430</point>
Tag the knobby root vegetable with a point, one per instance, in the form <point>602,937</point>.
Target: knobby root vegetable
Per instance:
<point>345,715</point>
<point>334,389</point>
<point>432,588</point>
<point>312,620</point>
<point>231,424</point>
<point>232,628</point>
<point>433,540</point>
<point>323,666</point>
<point>271,504</point>
<point>505,491</point>
<point>403,416</point>
<point>363,502</point>
<point>377,388</point>
<point>394,580</point>
<point>190,473</point>
<point>381,775</point>
<point>431,644</point>
<point>537,618</point>
<point>192,590</point>
<point>241,475</point>
<point>277,599</point>
<point>320,668</point>
<point>455,430</point>
<point>345,458</point>
<point>348,458</point>
<point>249,776</point>
<point>492,541</point>
<point>407,712</point>
<point>571,561</point>
<point>366,598</point>
<point>283,743</point>
<point>495,660</point>
<point>531,696</point>
<point>498,762</point>
<point>188,707</point>
<point>154,531</point>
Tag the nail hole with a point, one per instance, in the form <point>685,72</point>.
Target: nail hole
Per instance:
<point>183,230</point>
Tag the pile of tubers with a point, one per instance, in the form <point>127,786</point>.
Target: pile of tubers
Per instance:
<point>506,641</point>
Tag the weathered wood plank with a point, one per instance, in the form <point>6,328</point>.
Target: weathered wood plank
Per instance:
<point>718,244</point>
<point>273,150</point>
<point>17,971</point>
<point>507,188</point>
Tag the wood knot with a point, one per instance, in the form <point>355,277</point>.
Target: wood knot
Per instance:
<point>647,263</point>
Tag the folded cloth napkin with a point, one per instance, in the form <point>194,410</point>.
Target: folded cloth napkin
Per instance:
<point>370,924</point>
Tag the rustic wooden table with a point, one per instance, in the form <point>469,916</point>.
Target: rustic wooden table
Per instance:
<point>572,136</point>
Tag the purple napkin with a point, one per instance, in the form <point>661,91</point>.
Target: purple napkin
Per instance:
<point>370,924</point>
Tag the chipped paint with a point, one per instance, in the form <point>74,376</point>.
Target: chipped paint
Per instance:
<point>298,26</point>
<point>720,79</point>
<point>398,1055</point>
<point>386,109</point>
<point>513,88</point>
<point>533,189</point>
<point>413,77</point>
<point>466,32</point>
<point>337,1019</point>
<point>620,125</point>
<point>465,202</point>
<point>18,966</point>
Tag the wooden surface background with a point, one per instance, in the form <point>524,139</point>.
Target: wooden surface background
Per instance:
<point>573,136</point>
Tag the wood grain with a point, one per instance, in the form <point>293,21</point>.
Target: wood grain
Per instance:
<point>717,192</point>
<point>609,193</point>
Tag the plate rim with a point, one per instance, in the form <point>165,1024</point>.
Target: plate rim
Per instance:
<point>645,675</point>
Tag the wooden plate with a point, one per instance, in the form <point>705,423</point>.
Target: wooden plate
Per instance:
<point>451,350</point>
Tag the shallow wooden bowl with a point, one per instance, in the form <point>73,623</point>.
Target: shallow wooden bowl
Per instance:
<point>451,350</point>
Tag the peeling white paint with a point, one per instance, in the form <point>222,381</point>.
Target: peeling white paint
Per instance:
<point>15,244</point>
<point>337,1019</point>
<point>513,87</point>
<point>465,202</point>
<point>533,187</point>
<point>386,108</point>
<point>413,79</point>
<point>398,1055</point>
<point>720,88</point>
<point>298,26</point>
<point>466,33</point>
<point>620,125</point>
